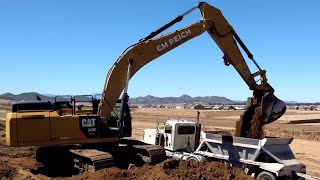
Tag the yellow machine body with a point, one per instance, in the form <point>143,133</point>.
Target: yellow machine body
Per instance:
<point>47,128</point>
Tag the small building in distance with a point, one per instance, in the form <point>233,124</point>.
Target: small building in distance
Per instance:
<point>229,107</point>
<point>170,107</point>
<point>197,106</point>
<point>160,106</point>
<point>208,107</point>
<point>181,107</point>
<point>239,107</point>
<point>217,107</point>
<point>145,106</point>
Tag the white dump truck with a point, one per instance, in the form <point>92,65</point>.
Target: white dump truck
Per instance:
<point>268,158</point>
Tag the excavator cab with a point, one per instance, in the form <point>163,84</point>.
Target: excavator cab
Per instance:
<point>113,120</point>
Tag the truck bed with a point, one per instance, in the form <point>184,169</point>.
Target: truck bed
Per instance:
<point>239,148</point>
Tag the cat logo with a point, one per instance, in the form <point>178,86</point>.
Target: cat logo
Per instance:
<point>89,122</point>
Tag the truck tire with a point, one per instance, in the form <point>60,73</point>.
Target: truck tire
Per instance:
<point>192,159</point>
<point>265,175</point>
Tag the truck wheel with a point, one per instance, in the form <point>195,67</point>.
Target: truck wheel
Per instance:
<point>192,160</point>
<point>264,175</point>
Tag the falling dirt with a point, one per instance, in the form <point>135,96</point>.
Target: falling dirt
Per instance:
<point>171,169</point>
<point>256,129</point>
<point>238,128</point>
<point>250,124</point>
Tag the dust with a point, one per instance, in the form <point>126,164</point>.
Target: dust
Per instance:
<point>171,169</point>
<point>250,124</point>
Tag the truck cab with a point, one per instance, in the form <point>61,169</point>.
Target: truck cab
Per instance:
<point>177,135</point>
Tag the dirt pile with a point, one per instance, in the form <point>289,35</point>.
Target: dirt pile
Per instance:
<point>296,134</point>
<point>6,172</point>
<point>171,169</point>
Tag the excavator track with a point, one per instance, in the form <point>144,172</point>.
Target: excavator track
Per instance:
<point>92,159</point>
<point>151,154</point>
<point>80,159</point>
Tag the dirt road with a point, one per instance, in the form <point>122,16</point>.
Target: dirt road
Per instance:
<point>307,152</point>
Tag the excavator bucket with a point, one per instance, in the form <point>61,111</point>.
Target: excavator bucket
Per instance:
<point>272,107</point>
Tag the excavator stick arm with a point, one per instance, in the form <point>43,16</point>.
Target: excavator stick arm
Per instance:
<point>226,38</point>
<point>223,35</point>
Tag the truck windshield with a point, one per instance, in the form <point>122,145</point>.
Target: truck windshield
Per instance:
<point>186,129</point>
<point>168,129</point>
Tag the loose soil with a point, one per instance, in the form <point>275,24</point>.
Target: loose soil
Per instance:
<point>7,172</point>
<point>250,125</point>
<point>172,169</point>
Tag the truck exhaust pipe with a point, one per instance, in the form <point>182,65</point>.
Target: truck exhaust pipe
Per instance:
<point>198,132</point>
<point>272,107</point>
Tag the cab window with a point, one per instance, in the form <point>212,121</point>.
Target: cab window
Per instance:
<point>168,129</point>
<point>186,129</point>
<point>116,110</point>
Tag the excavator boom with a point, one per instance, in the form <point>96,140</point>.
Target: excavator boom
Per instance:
<point>141,54</point>
<point>151,47</point>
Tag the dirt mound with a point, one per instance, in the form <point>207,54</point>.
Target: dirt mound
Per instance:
<point>171,169</point>
<point>6,172</point>
<point>2,125</point>
<point>17,152</point>
<point>302,134</point>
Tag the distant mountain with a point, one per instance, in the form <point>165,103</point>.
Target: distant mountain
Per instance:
<point>182,99</point>
<point>32,96</point>
<point>8,96</point>
<point>291,102</point>
<point>49,95</point>
<point>29,96</point>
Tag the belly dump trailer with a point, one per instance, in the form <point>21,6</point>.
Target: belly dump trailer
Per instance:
<point>267,158</point>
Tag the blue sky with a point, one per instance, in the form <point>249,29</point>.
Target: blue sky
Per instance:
<point>67,47</point>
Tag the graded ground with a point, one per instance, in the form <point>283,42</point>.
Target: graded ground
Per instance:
<point>304,126</point>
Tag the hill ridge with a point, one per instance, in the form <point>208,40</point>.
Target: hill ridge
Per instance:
<point>148,99</point>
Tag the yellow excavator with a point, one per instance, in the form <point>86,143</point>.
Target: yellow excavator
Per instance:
<point>90,128</point>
